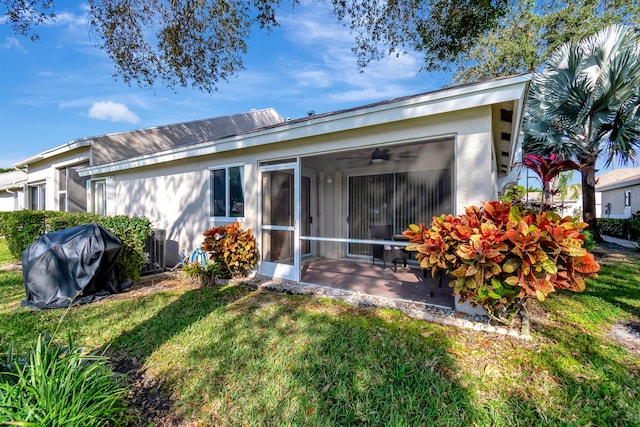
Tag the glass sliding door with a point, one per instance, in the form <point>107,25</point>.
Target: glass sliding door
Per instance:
<point>370,204</point>
<point>392,201</point>
<point>421,195</point>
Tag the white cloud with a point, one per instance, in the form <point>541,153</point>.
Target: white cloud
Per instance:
<point>68,18</point>
<point>369,93</point>
<point>13,43</point>
<point>112,111</point>
<point>330,63</point>
<point>313,78</point>
<point>315,24</point>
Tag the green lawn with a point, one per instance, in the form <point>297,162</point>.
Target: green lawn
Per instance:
<point>233,356</point>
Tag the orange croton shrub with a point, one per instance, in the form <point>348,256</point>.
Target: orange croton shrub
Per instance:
<point>500,255</point>
<point>232,248</point>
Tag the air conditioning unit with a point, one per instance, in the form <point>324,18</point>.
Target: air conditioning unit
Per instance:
<point>154,252</point>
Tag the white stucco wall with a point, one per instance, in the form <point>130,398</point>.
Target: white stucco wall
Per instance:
<point>475,176</point>
<point>6,201</point>
<point>616,199</point>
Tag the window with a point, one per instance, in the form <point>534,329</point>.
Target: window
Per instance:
<point>37,197</point>
<point>99,197</point>
<point>72,189</point>
<point>226,188</point>
<point>18,200</point>
<point>627,199</point>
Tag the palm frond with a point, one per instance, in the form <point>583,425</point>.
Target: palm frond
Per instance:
<point>585,99</point>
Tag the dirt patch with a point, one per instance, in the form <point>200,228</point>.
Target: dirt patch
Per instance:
<point>149,400</point>
<point>14,266</point>
<point>152,284</point>
<point>627,334</point>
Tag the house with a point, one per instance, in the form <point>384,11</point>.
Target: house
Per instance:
<point>11,190</point>
<point>571,206</point>
<point>310,189</point>
<point>620,193</point>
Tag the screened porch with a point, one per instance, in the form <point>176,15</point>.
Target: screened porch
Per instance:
<point>354,206</point>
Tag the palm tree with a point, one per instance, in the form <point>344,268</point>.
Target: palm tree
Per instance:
<point>564,189</point>
<point>586,103</point>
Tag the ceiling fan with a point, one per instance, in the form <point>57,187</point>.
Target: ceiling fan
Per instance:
<point>378,155</point>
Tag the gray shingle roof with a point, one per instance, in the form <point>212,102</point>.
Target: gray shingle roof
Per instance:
<point>617,178</point>
<point>125,145</point>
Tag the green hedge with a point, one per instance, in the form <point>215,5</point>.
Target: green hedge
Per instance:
<point>21,228</point>
<point>622,228</point>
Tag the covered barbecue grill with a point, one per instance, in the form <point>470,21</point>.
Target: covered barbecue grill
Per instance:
<point>76,264</point>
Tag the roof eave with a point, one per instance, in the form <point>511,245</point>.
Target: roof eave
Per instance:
<point>61,149</point>
<point>619,184</point>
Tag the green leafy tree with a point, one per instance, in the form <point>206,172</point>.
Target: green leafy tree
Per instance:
<point>564,189</point>
<point>530,30</point>
<point>199,43</point>
<point>586,103</point>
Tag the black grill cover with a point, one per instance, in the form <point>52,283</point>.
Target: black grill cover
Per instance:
<point>72,264</point>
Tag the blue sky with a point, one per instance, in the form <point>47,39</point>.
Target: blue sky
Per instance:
<point>61,87</point>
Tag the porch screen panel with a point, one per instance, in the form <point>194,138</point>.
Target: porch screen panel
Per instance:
<point>421,195</point>
<point>77,189</point>
<point>278,210</point>
<point>370,203</point>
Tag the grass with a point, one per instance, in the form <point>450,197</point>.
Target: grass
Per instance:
<point>59,385</point>
<point>232,356</point>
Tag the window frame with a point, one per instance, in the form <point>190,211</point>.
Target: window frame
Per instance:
<point>92,184</point>
<point>41,197</point>
<point>226,167</point>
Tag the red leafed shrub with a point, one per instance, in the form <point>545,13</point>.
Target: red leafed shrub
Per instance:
<point>500,255</point>
<point>233,249</point>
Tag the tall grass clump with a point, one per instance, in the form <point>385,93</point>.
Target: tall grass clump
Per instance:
<point>60,386</point>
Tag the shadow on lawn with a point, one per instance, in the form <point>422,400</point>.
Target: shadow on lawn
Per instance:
<point>172,320</point>
<point>236,357</point>
<point>588,370</point>
<point>622,285</point>
<point>593,376</point>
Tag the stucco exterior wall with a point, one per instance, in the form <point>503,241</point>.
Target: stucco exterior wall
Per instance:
<point>6,201</point>
<point>174,195</point>
<point>475,174</point>
<point>616,199</point>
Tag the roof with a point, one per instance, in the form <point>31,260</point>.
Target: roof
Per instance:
<point>618,178</point>
<point>490,92</point>
<point>69,146</point>
<point>12,180</point>
<point>126,145</point>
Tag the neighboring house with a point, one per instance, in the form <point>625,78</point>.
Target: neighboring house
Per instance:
<point>12,190</point>
<point>620,192</point>
<point>53,182</point>
<point>570,207</point>
<point>310,188</point>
